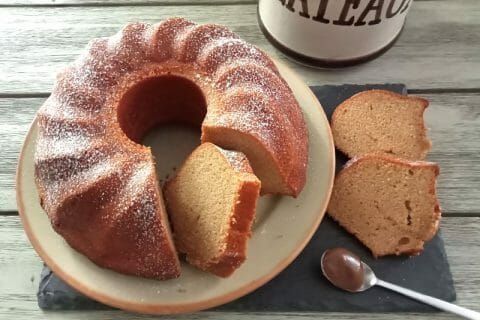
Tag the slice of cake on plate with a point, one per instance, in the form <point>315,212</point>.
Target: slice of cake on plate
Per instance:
<point>211,202</point>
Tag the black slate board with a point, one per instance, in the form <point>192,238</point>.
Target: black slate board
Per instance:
<point>301,287</point>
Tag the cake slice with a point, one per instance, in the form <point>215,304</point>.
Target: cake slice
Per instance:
<point>211,202</point>
<point>381,122</point>
<point>389,204</point>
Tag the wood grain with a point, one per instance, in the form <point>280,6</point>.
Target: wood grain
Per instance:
<point>17,116</point>
<point>438,48</point>
<point>124,2</point>
<point>20,268</point>
<point>454,128</point>
<point>52,3</point>
<point>453,119</point>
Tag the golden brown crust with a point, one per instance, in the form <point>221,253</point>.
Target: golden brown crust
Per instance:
<point>240,225</point>
<point>138,242</point>
<point>372,95</point>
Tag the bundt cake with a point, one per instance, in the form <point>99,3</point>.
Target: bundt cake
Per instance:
<point>98,184</point>
<point>211,204</point>
<point>389,204</point>
<point>381,122</point>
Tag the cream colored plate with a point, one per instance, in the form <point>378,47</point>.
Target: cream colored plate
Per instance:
<point>284,226</point>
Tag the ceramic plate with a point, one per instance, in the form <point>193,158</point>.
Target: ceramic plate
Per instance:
<point>282,229</point>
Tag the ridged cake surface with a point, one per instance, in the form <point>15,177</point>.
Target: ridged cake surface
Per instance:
<point>97,182</point>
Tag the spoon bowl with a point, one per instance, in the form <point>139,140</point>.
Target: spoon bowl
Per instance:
<point>346,271</point>
<point>369,277</point>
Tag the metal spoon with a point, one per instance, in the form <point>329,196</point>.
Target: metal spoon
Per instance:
<point>370,280</point>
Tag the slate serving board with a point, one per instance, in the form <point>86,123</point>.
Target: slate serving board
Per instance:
<point>301,287</point>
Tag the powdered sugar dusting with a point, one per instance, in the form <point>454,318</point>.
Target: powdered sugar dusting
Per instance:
<point>288,118</point>
<point>145,217</point>
<point>139,177</point>
<point>66,163</point>
<point>277,118</point>
<point>192,42</point>
<point>130,46</point>
<point>137,213</point>
<point>252,76</point>
<point>247,112</point>
<point>135,195</point>
<point>56,186</point>
<point>134,181</point>
<point>166,35</point>
<point>92,69</point>
<point>74,155</point>
<point>55,147</point>
<point>62,128</point>
<point>226,51</point>
<point>217,44</point>
<point>236,159</point>
<point>247,122</point>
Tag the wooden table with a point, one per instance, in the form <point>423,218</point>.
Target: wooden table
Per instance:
<point>437,56</point>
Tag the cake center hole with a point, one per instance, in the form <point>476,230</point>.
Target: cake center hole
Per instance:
<point>164,113</point>
<point>160,100</point>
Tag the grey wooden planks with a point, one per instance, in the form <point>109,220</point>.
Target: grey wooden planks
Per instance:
<point>118,2</point>
<point>438,48</point>
<point>19,261</point>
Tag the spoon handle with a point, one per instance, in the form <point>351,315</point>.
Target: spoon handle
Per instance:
<point>440,304</point>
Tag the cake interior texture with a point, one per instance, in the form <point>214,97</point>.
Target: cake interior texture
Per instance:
<point>388,204</point>
<point>381,122</point>
<point>211,202</point>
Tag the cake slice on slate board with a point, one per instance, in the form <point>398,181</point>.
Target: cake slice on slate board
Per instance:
<point>389,204</point>
<point>381,122</point>
<point>211,203</point>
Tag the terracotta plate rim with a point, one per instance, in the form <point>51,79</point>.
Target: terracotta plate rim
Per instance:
<point>160,309</point>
